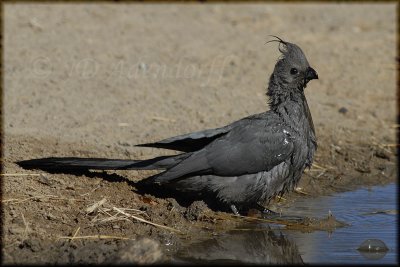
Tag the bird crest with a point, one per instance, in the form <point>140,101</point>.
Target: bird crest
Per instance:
<point>290,51</point>
<point>282,44</point>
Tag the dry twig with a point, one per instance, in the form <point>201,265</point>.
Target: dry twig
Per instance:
<point>95,237</point>
<point>20,174</point>
<point>145,221</point>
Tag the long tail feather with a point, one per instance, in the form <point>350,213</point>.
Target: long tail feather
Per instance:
<point>78,164</point>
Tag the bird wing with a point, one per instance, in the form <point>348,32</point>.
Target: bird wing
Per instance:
<point>191,141</point>
<point>251,147</point>
<point>195,141</point>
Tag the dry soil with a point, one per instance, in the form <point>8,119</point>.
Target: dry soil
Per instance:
<point>93,80</point>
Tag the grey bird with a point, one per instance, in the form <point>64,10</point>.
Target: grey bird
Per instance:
<point>242,165</point>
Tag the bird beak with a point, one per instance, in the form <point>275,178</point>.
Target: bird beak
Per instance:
<point>311,74</point>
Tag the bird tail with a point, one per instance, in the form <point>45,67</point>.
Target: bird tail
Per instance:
<point>80,164</point>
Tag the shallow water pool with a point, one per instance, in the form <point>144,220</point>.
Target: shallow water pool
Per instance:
<point>370,213</point>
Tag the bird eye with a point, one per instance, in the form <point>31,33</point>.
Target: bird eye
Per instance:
<point>293,71</point>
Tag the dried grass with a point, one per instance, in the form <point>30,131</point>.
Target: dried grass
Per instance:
<point>20,174</point>
<point>107,213</point>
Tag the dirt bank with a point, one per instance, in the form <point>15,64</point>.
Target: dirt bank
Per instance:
<point>94,80</point>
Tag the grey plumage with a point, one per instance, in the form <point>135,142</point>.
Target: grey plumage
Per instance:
<point>244,163</point>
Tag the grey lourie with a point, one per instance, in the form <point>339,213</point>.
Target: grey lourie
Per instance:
<point>239,166</point>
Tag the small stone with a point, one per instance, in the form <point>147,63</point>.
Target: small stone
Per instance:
<point>142,66</point>
<point>43,179</point>
<point>373,245</point>
<point>50,216</point>
<point>142,251</point>
<point>343,110</point>
<point>32,244</point>
<point>380,153</point>
<point>13,213</point>
<point>16,230</point>
<point>373,249</point>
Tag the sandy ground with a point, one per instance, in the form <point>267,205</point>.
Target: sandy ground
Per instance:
<point>94,80</point>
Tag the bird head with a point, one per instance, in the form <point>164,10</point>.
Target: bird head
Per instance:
<point>292,68</point>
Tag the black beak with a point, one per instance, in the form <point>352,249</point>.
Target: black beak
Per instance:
<point>311,74</point>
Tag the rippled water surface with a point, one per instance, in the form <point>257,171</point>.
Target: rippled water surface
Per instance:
<point>371,213</point>
<point>363,210</point>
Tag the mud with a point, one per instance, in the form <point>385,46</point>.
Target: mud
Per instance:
<point>89,81</point>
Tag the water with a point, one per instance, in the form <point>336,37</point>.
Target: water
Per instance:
<point>372,214</point>
<point>356,208</point>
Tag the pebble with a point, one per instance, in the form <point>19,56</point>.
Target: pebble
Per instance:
<point>50,216</point>
<point>373,249</point>
<point>143,66</point>
<point>380,153</point>
<point>343,110</point>
<point>373,245</point>
<point>142,251</point>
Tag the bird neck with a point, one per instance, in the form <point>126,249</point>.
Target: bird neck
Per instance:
<point>290,104</point>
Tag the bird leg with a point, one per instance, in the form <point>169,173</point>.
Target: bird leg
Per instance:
<point>234,210</point>
<point>264,211</point>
